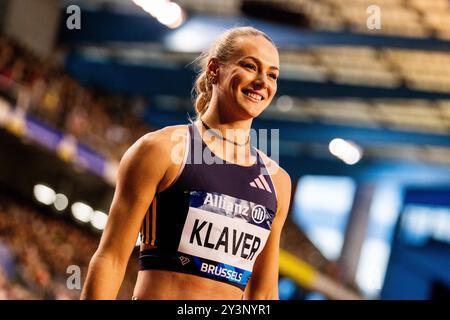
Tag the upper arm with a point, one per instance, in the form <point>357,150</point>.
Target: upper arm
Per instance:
<point>140,171</point>
<point>263,283</point>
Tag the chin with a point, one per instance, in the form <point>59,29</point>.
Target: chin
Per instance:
<point>250,110</point>
<point>253,112</point>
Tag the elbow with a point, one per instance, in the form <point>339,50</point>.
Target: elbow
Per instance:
<point>104,277</point>
<point>114,260</point>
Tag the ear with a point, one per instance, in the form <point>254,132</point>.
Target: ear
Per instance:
<point>213,67</point>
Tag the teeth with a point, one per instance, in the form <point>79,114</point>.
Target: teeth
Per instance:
<point>254,96</point>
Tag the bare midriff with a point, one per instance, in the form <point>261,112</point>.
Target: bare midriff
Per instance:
<point>168,285</point>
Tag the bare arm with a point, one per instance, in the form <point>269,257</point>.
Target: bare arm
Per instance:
<point>263,283</point>
<point>140,171</point>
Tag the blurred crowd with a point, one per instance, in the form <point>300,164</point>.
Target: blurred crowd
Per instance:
<point>106,123</point>
<point>36,250</point>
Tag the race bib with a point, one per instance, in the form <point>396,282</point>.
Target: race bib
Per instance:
<point>224,235</point>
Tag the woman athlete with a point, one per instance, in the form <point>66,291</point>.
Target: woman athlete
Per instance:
<point>210,228</point>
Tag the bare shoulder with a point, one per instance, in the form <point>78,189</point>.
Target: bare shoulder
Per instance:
<point>153,154</point>
<point>159,142</point>
<point>163,137</point>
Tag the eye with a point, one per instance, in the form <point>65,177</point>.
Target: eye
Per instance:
<point>273,76</point>
<point>250,66</point>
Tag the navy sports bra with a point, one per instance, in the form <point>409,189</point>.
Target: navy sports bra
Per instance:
<point>213,221</point>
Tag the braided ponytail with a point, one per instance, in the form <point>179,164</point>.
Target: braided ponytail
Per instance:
<point>203,92</point>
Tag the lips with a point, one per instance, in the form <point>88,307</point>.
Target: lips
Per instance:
<point>253,95</point>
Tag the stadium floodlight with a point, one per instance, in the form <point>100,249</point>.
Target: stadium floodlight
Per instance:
<point>99,219</point>
<point>82,212</point>
<point>153,7</point>
<point>347,151</point>
<point>285,103</point>
<point>61,202</point>
<point>166,12</point>
<point>171,15</point>
<point>44,194</point>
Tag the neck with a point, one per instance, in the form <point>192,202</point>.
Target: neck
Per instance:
<point>237,136</point>
<point>236,148</point>
<point>229,126</point>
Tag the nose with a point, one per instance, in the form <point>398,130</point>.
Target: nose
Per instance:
<point>260,82</point>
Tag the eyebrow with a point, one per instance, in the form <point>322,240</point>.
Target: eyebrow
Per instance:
<point>259,62</point>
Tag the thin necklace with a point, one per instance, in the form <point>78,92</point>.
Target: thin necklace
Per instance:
<point>222,137</point>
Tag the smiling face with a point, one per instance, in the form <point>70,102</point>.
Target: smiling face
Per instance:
<point>247,83</point>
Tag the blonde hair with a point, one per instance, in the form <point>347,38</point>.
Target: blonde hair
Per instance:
<point>222,49</point>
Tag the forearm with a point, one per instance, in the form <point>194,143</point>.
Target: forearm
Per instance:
<point>104,278</point>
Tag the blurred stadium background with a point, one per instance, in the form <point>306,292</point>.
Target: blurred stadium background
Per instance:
<point>364,119</point>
